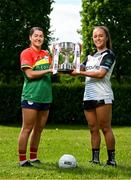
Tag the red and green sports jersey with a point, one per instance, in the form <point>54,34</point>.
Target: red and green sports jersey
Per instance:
<point>40,89</point>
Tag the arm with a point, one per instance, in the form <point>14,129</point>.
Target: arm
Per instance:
<point>94,74</point>
<point>105,65</point>
<point>26,59</point>
<point>35,74</point>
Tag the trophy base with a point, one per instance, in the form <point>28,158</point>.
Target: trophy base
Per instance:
<point>65,71</point>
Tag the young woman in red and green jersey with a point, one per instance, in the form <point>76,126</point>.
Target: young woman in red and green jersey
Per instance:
<point>36,96</point>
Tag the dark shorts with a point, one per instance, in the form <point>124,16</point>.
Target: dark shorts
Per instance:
<point>34,105</point>
<point>92,104</point>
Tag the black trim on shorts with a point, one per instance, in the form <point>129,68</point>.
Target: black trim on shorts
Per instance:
<point>35,105</point>
<point>92,104</point>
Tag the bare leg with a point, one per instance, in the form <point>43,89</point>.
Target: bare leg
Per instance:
<point>94,128</point>
<point>104,116</point>
<point>95,135</point>
<point>29,118</point>
<point>38,127</point>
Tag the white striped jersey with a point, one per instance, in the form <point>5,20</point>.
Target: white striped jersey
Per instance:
<point>97,89</point>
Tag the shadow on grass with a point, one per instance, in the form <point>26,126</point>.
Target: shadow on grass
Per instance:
<point>90,171</point>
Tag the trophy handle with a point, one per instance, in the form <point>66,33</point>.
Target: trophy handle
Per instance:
<point>76,60</point>
<point>56,52</point>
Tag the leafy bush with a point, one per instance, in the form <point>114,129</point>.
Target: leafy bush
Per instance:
<point>67,104</point>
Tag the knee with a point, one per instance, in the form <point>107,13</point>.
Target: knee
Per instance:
<point>38,129</point>
<point>105,130</point>
<point>94,129</point>
<point>27,130</point>
<point>95,132</point>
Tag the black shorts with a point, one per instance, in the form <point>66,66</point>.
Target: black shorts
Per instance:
<point>34,105</point>
<point>92,104</point>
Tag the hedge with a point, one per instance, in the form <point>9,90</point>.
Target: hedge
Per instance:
<point>67,104</point>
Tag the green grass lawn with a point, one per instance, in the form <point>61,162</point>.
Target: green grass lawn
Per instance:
<point>58,140</point>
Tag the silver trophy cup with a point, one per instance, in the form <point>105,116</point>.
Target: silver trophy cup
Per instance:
<point>67,53</point>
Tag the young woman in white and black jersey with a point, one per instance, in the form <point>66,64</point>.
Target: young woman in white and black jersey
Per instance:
<point>98,94</point>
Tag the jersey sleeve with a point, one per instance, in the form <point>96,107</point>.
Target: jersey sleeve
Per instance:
<point>26,59</point>
<point>107,61</point>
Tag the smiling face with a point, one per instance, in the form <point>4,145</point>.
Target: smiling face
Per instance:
<point>37,39</point>
<point>100,39</point>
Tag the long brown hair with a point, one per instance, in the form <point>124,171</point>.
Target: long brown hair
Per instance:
<point>35,28</point>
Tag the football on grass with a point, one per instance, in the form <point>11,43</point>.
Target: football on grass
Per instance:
<point>67,161</point>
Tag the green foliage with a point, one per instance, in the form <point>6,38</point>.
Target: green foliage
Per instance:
<point>67,107</point>
<point>16,19</point>
<point>67,104</point>
<point>122,105</point>
<point>10,111</point>
<point>67,79</point>
<point>115,14</point>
